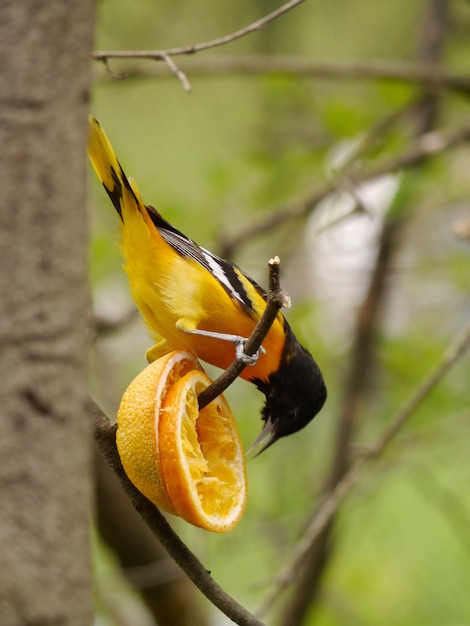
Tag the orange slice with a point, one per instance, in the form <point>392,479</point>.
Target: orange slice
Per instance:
<point>137,419</point>
<point>187,462</point>
<point>201,456</point>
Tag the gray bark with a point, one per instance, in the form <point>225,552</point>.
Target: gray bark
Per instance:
<point>45,442</point>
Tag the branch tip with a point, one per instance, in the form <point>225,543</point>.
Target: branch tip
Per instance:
<point>275,301</point>
<point>285,300</point>
<point>180,75</point>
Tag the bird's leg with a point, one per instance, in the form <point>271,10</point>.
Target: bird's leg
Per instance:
<point>235,339</point>
<point>158,350</point>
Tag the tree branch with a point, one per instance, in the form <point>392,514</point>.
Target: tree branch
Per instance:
<point>424,74</point>
<point>105,436</point>
<point>180,75</point>
<point>335,498</point>
<point>359,367</point>
<point>319,553</point>
<point>276,299</point>
<point>426,147</point>
<point>159,55</point>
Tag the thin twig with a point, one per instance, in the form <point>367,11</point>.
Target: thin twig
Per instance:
<point>105,435</point>
<point>159,55</point>
<point>275,65</point>
<point>335,498</point>
<point>425,148</point>
<point>361,146</point>
<point>276,299</point>
<point>177,72</point>
<point>359,149</point>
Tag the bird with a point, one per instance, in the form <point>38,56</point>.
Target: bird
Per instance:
<point>193,300</point>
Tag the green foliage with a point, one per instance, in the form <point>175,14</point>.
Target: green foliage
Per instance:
<point>235,149</point>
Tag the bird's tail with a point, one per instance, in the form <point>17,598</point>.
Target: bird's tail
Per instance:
<point>122,191</point>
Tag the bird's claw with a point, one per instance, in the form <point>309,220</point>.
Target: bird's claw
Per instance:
<point>241,355</point>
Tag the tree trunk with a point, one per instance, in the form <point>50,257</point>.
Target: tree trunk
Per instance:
<point>45,469</point>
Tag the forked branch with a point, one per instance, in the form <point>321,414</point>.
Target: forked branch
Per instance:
<point>159,55</point>
<point>276,299</point>
<point>425,148</point>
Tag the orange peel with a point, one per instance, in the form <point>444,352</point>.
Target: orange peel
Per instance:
<point>188,462</point>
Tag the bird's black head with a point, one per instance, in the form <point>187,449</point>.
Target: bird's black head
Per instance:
<point>295,393</point>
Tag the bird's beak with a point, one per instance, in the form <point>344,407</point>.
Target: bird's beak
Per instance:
<point>266,438</point>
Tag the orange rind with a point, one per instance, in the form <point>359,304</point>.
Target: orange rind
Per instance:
<point>188,462</point>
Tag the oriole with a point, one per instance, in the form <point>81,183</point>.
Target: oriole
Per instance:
<point>196,301</point>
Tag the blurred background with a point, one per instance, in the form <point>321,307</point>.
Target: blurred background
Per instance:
<point>328,120</point>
